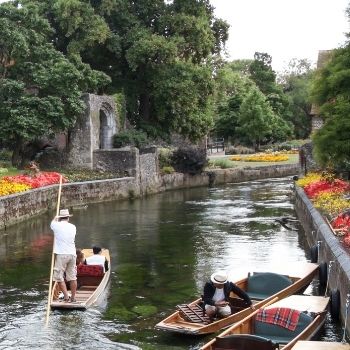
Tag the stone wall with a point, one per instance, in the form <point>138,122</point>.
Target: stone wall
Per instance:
<point>19,207</point>
<point>149,170</point>
<point>319,233</point>
<point>121,161</point>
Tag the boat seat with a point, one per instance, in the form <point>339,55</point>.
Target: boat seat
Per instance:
<point>90,270</point>
<point>265,284</point>
<point>243,342</point>
<point>193,313</point>
<point>278,334</point>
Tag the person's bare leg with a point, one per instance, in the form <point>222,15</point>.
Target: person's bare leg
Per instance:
<point>73,288</point>
<point>64,289</point>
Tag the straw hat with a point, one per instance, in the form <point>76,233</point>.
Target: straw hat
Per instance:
<point>64,213</point>
<point>219,277</point>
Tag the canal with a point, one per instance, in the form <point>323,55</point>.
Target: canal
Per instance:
<point>163,249</point>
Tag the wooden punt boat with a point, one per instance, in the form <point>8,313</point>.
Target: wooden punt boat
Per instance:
<point>92,284</point>
<point>320,345</point>
<point>190,318</point>
<point>259,335</point>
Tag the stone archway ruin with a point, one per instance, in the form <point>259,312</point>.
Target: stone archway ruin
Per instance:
<point>94,130</point>
<point>108,126</point>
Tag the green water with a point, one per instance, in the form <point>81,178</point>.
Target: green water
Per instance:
<point>163,249</point>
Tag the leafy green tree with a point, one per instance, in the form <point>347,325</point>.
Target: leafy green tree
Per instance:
<point>231,89</point>
<point>265,78</point>
<point>262,74</point>
<point>296,81</point>
<point>140,43</point>
<point>161,58</point>
<point>40,89</point>
<point>330,91</point>
<point>255,118</point>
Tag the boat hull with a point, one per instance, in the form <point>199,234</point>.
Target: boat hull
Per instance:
<point>311,304</point>
<point>91,289</point>
<point>300,274</point>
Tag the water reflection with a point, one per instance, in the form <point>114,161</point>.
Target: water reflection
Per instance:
<point>163,248</point>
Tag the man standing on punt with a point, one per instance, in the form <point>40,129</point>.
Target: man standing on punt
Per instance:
<point>65,253</point>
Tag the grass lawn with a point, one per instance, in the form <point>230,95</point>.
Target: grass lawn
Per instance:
<point>10,172</point>
<point>224,162</point>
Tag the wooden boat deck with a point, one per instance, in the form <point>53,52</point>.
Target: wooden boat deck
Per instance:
<point>320,345</point>
<point>90,288</point>
<point>307,303</point>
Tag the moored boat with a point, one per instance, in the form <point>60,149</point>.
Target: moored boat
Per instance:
<point>92,284</point>
<point>262,287</point>
<point>278,326</point>
<point>320,345</point>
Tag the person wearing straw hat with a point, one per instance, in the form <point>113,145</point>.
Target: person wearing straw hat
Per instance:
<point>216,295</point>
<point>65,254</point>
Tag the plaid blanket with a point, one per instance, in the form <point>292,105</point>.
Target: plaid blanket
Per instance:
<point>281,316</point>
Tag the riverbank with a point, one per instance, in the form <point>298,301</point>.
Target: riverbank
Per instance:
<point>327,250</point>
<point>19,207</point>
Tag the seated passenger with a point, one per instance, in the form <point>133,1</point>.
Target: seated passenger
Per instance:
<point>216,295</point>
<point>80,257</point>
<point>97,259</point>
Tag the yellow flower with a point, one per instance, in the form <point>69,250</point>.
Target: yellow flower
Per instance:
<point>7,187</point>
<point>308,179</point>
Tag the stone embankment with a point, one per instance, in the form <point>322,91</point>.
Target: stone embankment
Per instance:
<point>327,248</point>
<point>19,207</point>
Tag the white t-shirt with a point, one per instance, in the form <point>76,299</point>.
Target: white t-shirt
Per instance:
<point>96,259</point>
<point>64,233</point>
<point>219,295</point>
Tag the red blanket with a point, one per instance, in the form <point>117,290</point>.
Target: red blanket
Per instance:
<point>281,316</point>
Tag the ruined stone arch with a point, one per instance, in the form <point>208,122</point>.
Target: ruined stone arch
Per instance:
<point>94,130</point>
<point>108,126</point>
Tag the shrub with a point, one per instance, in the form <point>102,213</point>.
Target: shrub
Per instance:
<point>5,155</point>
<point>78,175</point>
<point>239,150</point>
<point>189,160</point>
<point>167,170</point>
<point>164,157</point>
<point>130,138</point>
<point>221,163</point>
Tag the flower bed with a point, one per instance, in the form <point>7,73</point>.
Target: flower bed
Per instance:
<point>20,183</point>
<point>262,157</point>
<point>331,197</point>
<point>10,187</point>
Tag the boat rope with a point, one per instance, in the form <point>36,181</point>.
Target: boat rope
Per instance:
<point>328,274</point>
<point>346,317</point>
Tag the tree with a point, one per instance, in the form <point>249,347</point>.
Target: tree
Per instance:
<point>157,40</point>
<point>40,89</point>
<point>265,78</point>
<point>137,44</point>
<point>255,118</point>
<point>331,92</point>
<point>295,82</point>
<point>231,89</point>
<point>262,74</point>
